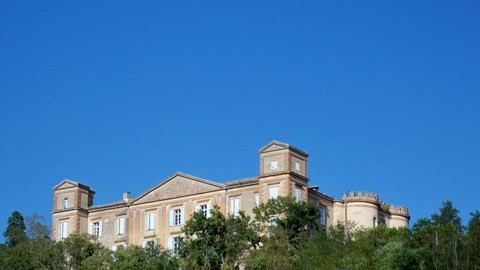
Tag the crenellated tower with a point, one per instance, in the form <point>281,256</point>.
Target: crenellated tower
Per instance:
<point>367,210</point>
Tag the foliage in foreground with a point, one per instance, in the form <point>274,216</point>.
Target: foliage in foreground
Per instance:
<point>283,235</point>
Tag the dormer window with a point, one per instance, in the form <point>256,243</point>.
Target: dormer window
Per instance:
<point>65,203</point>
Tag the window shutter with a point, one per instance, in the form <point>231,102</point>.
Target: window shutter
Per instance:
<point>170,219</point>
<point>151,220</point>
<point>182,216</point>
<point>170,243</point>
<point>198,207</point>
<point>234,206</point>
<point>257,199</point>
<point>121,226</point>
<point>64,230</point>
<point>298,194</point>
<point>90,228</point>
<point>144,244</point>
<point>100,225</point>
<point>60,230</point>
<point>237,205</point>
<point>155,242</point>
<point>322,216</point>
<point>208,210</point>
<point>114,248</point>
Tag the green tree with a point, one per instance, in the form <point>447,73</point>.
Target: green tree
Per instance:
<point>275,253</point>
<point>440,239</point>
<point>15,232</point>
<point>133,257</point>
<point>80,246</point>
<point>217,242</point>
<point>138,258</point>
<point>332,249</point>
<point>448,215</point>
<point>395,255</point>
<point>297,219</point>
<point>473,242</point>
<point>36,228</point>
<point>285,225</point>
<point>34,252</point>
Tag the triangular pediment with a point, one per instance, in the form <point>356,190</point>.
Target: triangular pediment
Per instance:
<point>178,185</point>
<point>65,184</point>
<point>273,146</point>
<point>277,146</point>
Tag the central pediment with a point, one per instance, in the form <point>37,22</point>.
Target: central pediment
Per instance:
<point>177,185</point>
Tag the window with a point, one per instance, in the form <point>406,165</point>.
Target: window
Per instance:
<point>205,209</point>
<point>234,206</point>
<point>64,230</point>
<point>298,194</point>
<point>65,203</point>
<point>150,221</point>
<point>97,229</point>
<point>121,226</point>
<point>174,244</point>
<point>273,192</point>
<point>274,165</point>
<point>176,217</point>
<point>322,220</point>
<point>151,244</point>
<point>257,199</point>
<point>297,166</point>
<point>177,241</point>
<point>374,222</point>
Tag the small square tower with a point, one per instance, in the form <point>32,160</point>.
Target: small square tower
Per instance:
<point>283,171</point>
<point>71,201</point>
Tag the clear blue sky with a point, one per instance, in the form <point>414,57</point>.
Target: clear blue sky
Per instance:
<point>118,95</point>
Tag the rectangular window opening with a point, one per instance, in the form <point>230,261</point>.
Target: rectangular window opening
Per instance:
<point>273,192</point>
<point>150,221</point>
<point>65,203</point>
<point>274,165</point>
<point>96,229</point>
<point>121,226</point>
<point>177,217</point>
<point>234,206</point>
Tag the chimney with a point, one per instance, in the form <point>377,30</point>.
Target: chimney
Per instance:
<point>126,196</point>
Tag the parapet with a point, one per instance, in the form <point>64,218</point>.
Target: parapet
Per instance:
<point>395,210</point>
<point>354,196</point>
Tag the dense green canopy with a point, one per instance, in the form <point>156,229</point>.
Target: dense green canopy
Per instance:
<point>283,235</point>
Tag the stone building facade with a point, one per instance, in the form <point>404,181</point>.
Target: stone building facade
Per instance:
<point>156,217</point>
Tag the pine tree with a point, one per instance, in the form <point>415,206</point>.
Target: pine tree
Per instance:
<point>15,232</point>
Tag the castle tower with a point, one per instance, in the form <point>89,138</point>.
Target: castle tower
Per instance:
<point>283,172</point>
<point>71,201</point>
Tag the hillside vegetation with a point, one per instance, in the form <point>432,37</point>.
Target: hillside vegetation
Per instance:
<point>283,235</point>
